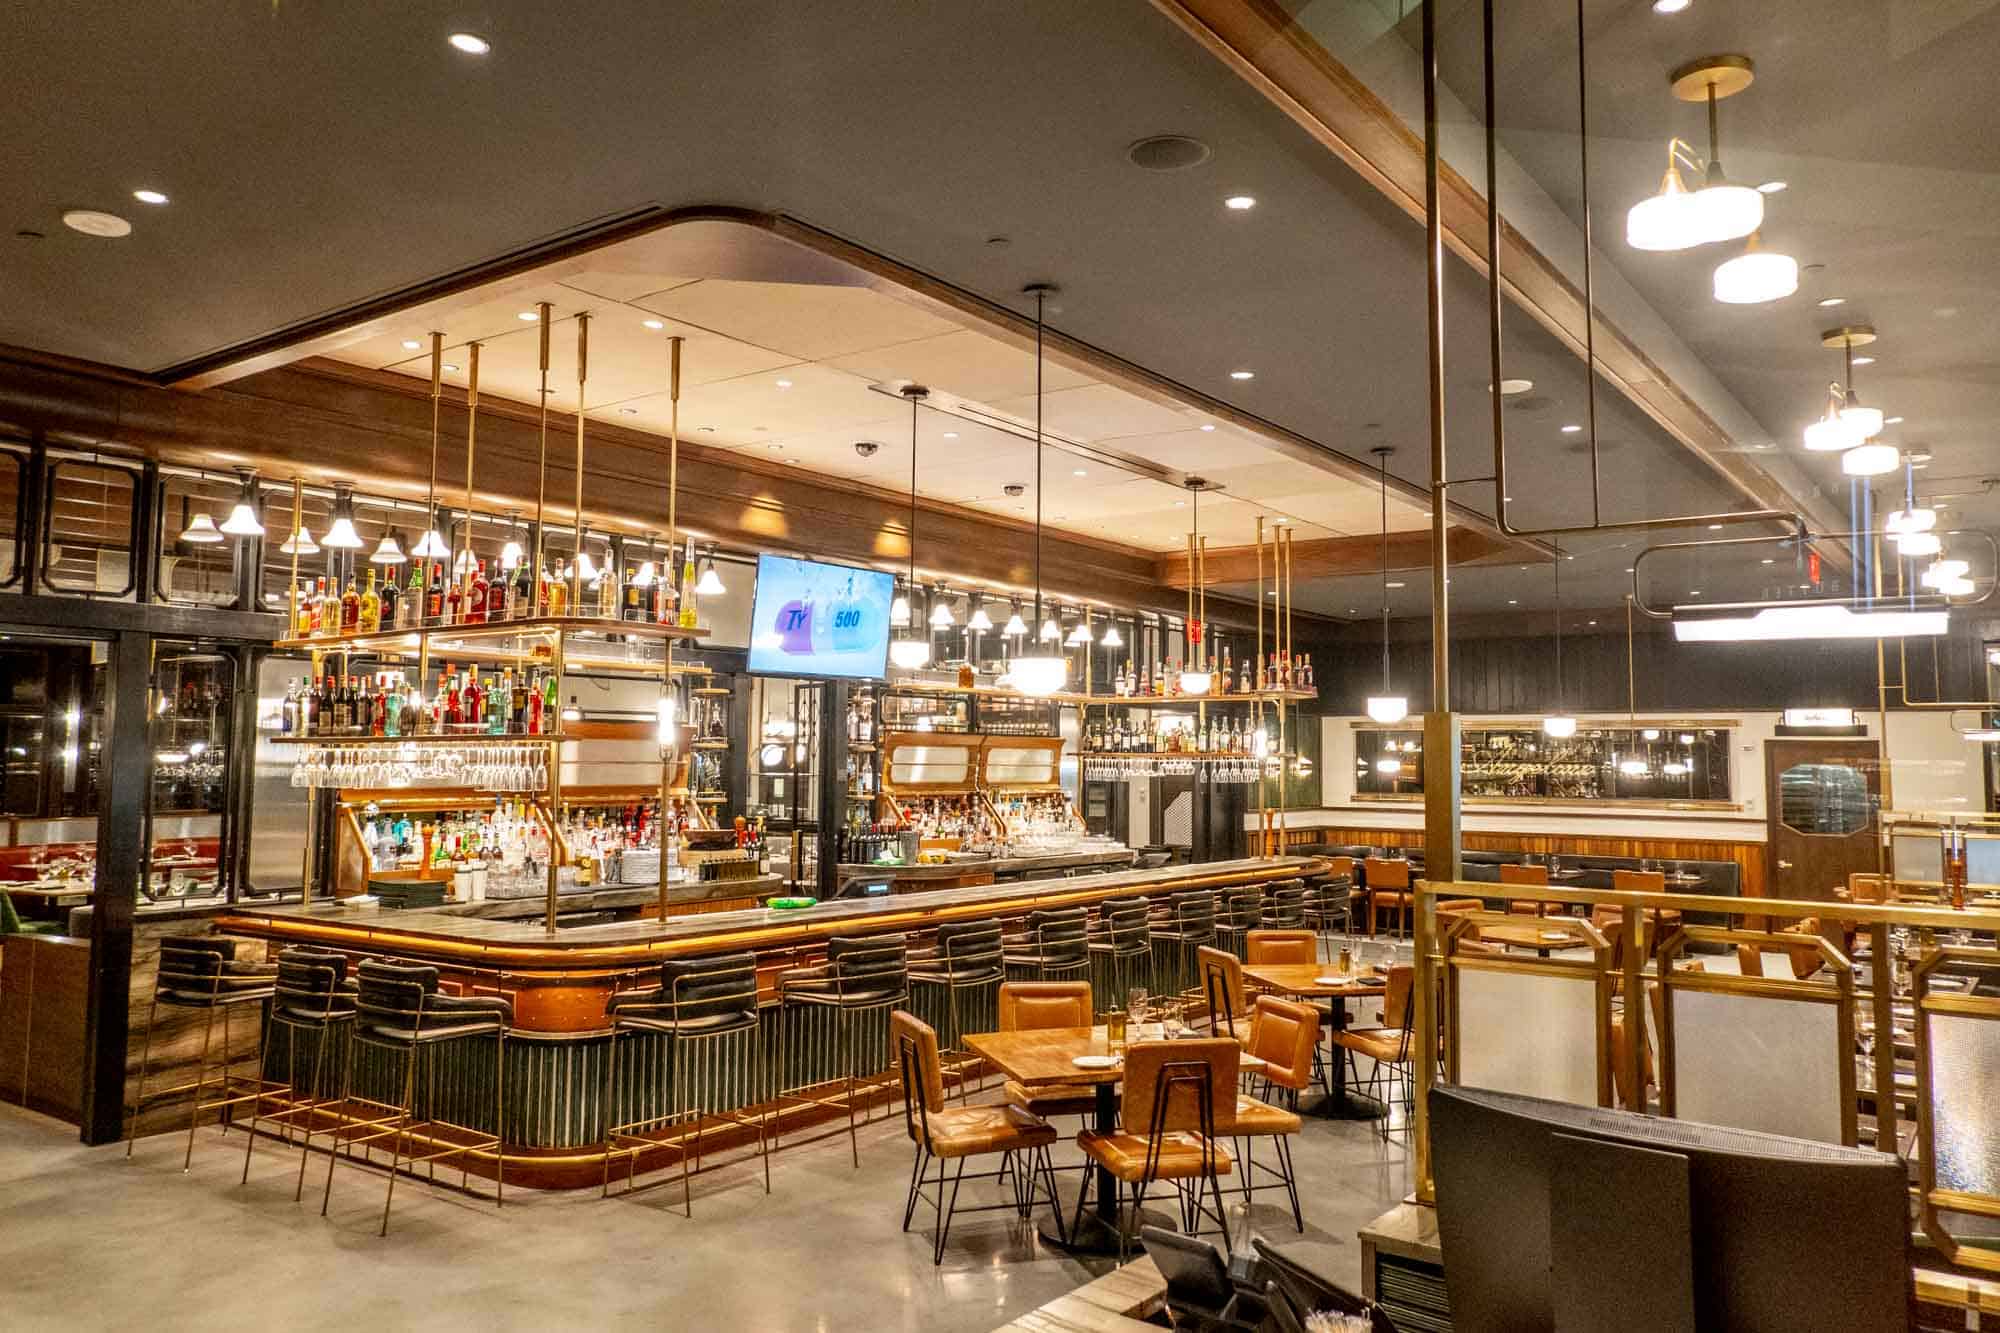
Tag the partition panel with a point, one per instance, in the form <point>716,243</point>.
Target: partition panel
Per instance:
<point>1958,1070</point>
<point>1537,1026</point>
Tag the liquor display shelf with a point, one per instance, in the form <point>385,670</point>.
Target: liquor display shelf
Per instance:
<point>1218,755</point>
<point>711,745</point>
<point>403,639</point>
<point>712,691</point>
<point>1094,700</point>
<point>433,738</point>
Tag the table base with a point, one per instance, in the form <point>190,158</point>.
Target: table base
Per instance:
<point>1096,1236</point>
<point>1343,1105</point>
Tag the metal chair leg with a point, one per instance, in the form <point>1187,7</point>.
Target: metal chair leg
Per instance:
<point>500,1119</point>
<point>399,1133</point>
<point>257,1102</point>
<point>145,1061</point>
<point>200,1082</point>
<point>305,1141</point>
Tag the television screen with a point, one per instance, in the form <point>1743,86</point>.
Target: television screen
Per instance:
<point>811,619</point>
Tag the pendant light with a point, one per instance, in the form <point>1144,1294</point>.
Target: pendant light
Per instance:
<point>300,543</point>
<point>1910,527</point>
<point>1830,434</point>
<point>1756,276</point>
<point>1112,638</point>
<point>1050,632</point>
<point>1677,218</point>
<point>1387,706</point>
<point>1039,674</point>
<point>1870,460</point>
<point>1195,678</point>
<point>979,621</point>
<point>431,546</point>
<point>1015,626</point>
<point>342,536</point>
<point>1559,725</point>
<point>1079,634</point>
<point>1941,572</point>
<point>1669,220</point>
<point>941,616</point>
<point>242,520</point>
<point>710,583</point>
<point>389,551</point>
<point>1865,422</point>
<point>201,530</point>
<point>910,651</point>
<point>511,553</point>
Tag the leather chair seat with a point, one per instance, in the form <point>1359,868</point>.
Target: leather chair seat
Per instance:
<point>663,1019</point>
<point>968,977</point>
<point>450,1016</point>
<point>963,1131</point>
<point>1046,1104</point>
<point>816,985</point>
<point>1381,1044</point>
<point>339,1011</point>
<point>1124,1155</point>
<point>1254,1117</point>
<point>1462,905</point>
<point>1389,897</point>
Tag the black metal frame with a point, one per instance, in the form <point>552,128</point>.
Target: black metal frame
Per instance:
<point>1173,1073</point>
<point>291,1007</point>
<point>847,1010</point>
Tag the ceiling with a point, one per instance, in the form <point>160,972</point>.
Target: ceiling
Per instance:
<point>320,160</point>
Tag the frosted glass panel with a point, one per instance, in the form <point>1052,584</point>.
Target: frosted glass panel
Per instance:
<point>1918,856</point>
<point>1535,1035</point>
<point>1020,766</point>
<point>1965,1087</point>
<point>1982,860</point>
<point>1751,1063</point>
<point>916,764</point>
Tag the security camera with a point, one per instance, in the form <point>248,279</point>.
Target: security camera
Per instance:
<point>866,448</point>
<point>1015,488</point>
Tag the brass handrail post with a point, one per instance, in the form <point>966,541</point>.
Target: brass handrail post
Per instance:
<point>546,311</point>
<point>1882,1003</point>
<point>670,757</point>
<point>1424,985</point>
<point>582,375</point>
<point>1634,929</point>
<point>471,445</point>
<point>1257,706</point>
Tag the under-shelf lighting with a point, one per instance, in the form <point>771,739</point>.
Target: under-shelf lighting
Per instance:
<point>1821,621</point>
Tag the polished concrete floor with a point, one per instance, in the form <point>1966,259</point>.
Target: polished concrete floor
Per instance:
<point>90,1240</point>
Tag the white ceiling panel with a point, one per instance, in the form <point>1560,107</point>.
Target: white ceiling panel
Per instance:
<point>1093,412</point>
<point>964,363</point>
<point>809,322</point>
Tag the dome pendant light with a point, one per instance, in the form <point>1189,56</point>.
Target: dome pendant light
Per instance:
<point>1040,674</point>
<point>1865,422</point>
<point>1756,276</point>
<point>201,531</point>
<point>1112,638</point>
<point>941,616</point>
<point>342,536</point>
<point>1195,678</point>
<point>1559,725</point>
<point>910,651</point>
<point>979,621</point>
<point>301,544</point>
<point>1388,706</point>
<point>1727,212</point>
<point>1079,634</point>
<point>710,583</point>
<point>388,551</point>
<point>1015,626</point>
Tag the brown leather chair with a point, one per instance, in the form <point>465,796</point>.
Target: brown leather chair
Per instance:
<point>1281,946</point>
<point>1806,959</point>
<point>1178,1095</point>
<point>1222,989</point>
<point>1656,999</point>
<point>1609,918</point>
<point>1047,1004</point>
<point>1388,887</point>
<point>1639,881</point>
<point>1287,1039</point>
<point>1389,1044</point>
<point>944,1134</point>
<point>1456,906</point>
<point>1529,875</point>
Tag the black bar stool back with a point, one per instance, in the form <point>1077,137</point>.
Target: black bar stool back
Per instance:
<point>1121,951</point>
<point>201,972</point>
<point>955,987</point>
<point>1054,947</point>
<point>313,1004</point>
<point>1187,925</point>
<point>1238,912</point>
<point>836,1021</point>
<point>1284,906</point>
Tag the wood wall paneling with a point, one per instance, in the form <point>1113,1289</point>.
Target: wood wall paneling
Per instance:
<point>1749,856</point>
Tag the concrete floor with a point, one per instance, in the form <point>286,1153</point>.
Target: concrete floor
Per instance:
<point>89,1240</point>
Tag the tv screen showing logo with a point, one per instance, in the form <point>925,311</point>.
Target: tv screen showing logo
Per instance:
<point>812,619</point>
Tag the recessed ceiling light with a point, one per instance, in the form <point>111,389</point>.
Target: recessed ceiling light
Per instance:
<point>471,43</point>
<point>527,316</point>
<point>1571,430</point>
<point>1394,585</point>
<point>1079,472</point>
<point>1630,569</point>
<point>1771,187</point>
<point>92,222</point>
<point>1243,374</point>
<point>1513,601</point>
<point>149,196</point>
<point>791,460</point>
<point>951,435</point>
<point>1511,387</point>
<point>411,344</point>
<point>1670,6</point>
<point>1864,360</point>
<point>629,411</point>
<point>1715,527</point>
<point>1694,592</point>
<point>449,366</point>
<point>706,430</point>
<point>1180,504</point>
<point>653,323</point>
<point>1833,301</point>
<point>1892,421</point>
<point>1279,522</point>
<point>784,384</point>
<point>1768,560</point>
<point>1209,426</point>
<point>1242,203</point>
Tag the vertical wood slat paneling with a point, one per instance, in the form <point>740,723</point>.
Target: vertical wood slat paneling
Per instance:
<point>1748,856</point>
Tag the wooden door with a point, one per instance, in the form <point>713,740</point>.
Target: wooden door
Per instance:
<point>1821,801</point>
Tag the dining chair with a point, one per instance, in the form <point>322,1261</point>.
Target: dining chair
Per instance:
<point>1639,881</point>
<point>958,1133</point>
<point>1176,1094</point>
<point>1286,1040</point>
<point>1281,946</point>
<point>1027,1005</point>
<point>1387,1045</point>
<point>1526,875</point>
<point>1806,959</point>
<point>1224,994</point>
<point>1388,886</point>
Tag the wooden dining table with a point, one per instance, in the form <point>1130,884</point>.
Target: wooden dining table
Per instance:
<point>1324,981</point>
<point>1540,933</point>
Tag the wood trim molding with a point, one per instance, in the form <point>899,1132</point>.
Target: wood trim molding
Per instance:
<point>1259,41</point>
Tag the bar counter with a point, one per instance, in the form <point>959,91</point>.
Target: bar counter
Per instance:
<point>970,872</point>
<point>555,1094</point>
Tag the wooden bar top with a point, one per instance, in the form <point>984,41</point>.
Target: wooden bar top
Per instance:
<point>443,934</point>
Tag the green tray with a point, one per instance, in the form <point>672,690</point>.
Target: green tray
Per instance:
<point>790,904</point>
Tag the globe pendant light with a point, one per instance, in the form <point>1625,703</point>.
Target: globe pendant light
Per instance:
<point>909,650</point>
<point>1040,674</point>
<point>1756,276</point>
<point>1195,678</point>
<point>1387,706</point>
<point>242,520</point>
<point>1559,724</point>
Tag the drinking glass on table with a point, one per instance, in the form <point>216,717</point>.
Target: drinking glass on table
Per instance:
<point>1135,1004</point>
<point>1114,1032</point>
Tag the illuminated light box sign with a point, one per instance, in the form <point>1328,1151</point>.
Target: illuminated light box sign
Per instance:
<point>813,619</point>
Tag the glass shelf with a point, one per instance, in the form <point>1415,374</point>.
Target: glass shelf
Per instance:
<point>411,639</point>
<point>432,739</point>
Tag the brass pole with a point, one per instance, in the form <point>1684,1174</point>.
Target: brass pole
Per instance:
<point>471,443</point>
<point>674,474</point>
<point>292,589</point>
<point>1257,704</point>
<point>669,762</point>
<point>430,501</point>
<point>582,374</point>
<point>555,795</point>
<point>535,608</point>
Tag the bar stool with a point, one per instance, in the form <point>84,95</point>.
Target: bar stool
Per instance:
<point>1055,945</point>
<point>400,1011</point>
<point>1331,897</point>
<point>201,972</point>
<point>313,1001</point>
<point>955,985</point>
<point>683,1030</point>
<point>1187,925</point>
<point>1236,915</point>
<point>861,982</point>
<point>1284,906</point>
<point>1121,951</point>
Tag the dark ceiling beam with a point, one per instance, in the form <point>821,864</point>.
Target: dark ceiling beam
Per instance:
<point>1333,557</point>
<point>1261,43</point>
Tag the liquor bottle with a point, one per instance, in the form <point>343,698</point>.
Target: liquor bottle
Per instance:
<point>410,606</point>
<point>392,705</point>
<point>350,608</point>
<point>1228,672</point>
<point>369,616</point>
<point>607,592</point>
<point>687,588</point>
<point>303,614</point>
<point>434,596</point>
<point>364,707</point>
<point>411,722</point>
<point>454,701</point>
<point>549,714</point>
<point>522,604</point>
<point>517,717</point>
<point>474,701</point>
<point>1310,683</point>
<point>475,594</point>
<point>533,711</point>
<point>343,709</point>
<point>556,592</point>
<point>328,614</point>
<point>635,597</point>
<point>392,602</point>
<point>454,601</point>
<point>496,596</point>
<point>288,711</point>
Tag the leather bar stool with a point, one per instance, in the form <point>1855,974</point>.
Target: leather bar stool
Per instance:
<point>313,1003</point>
<point>1186,925</point>
<point>1236,915</point>
<point>1284,906</point>
<point>201,972</point>
<point>1054,946</point>
<point>1121,949</point>
<point>400,1012</point>
<point>694,1042</point>
<point>852,994</point>
<point>955,985</point>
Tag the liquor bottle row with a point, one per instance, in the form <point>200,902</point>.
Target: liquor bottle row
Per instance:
<point>1153,735</point>
<point>870,843</point>
<point>1224,769</point>
<point>1276,674</point>
<point>503,703</point>
<point>956,818</point>
<point>431,598</point>
<point>509,835</point>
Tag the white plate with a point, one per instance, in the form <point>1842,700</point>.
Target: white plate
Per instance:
<point>1555,934</point>
<point>1333,981</point>
<point>1095,1061</point>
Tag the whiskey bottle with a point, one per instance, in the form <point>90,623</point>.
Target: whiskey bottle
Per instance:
<point>350,608</point>
<point>410,607</point>
<point>392,598</point>
<point>326,615</point>
<point>687,588</point>
<point>434,597</point>
<point>634,604</point>
<point>1228,672</point>
<point>369,615</point>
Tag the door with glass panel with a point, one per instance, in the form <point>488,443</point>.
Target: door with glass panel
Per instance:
<point>1822,803</point>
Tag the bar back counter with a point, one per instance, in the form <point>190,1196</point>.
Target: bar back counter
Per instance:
<point>555,1100</point>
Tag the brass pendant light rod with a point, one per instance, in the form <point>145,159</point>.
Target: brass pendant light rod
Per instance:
<point>1559,626</point>
<point>437,400</point>
<point>1382,452</point>
<point>674,466</point>
<point>1041,292</point>
<point>547,313</point>
<point>582,377</point>
<point>916,393</point>
<point>471,435</point>
<point>670,756</point>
